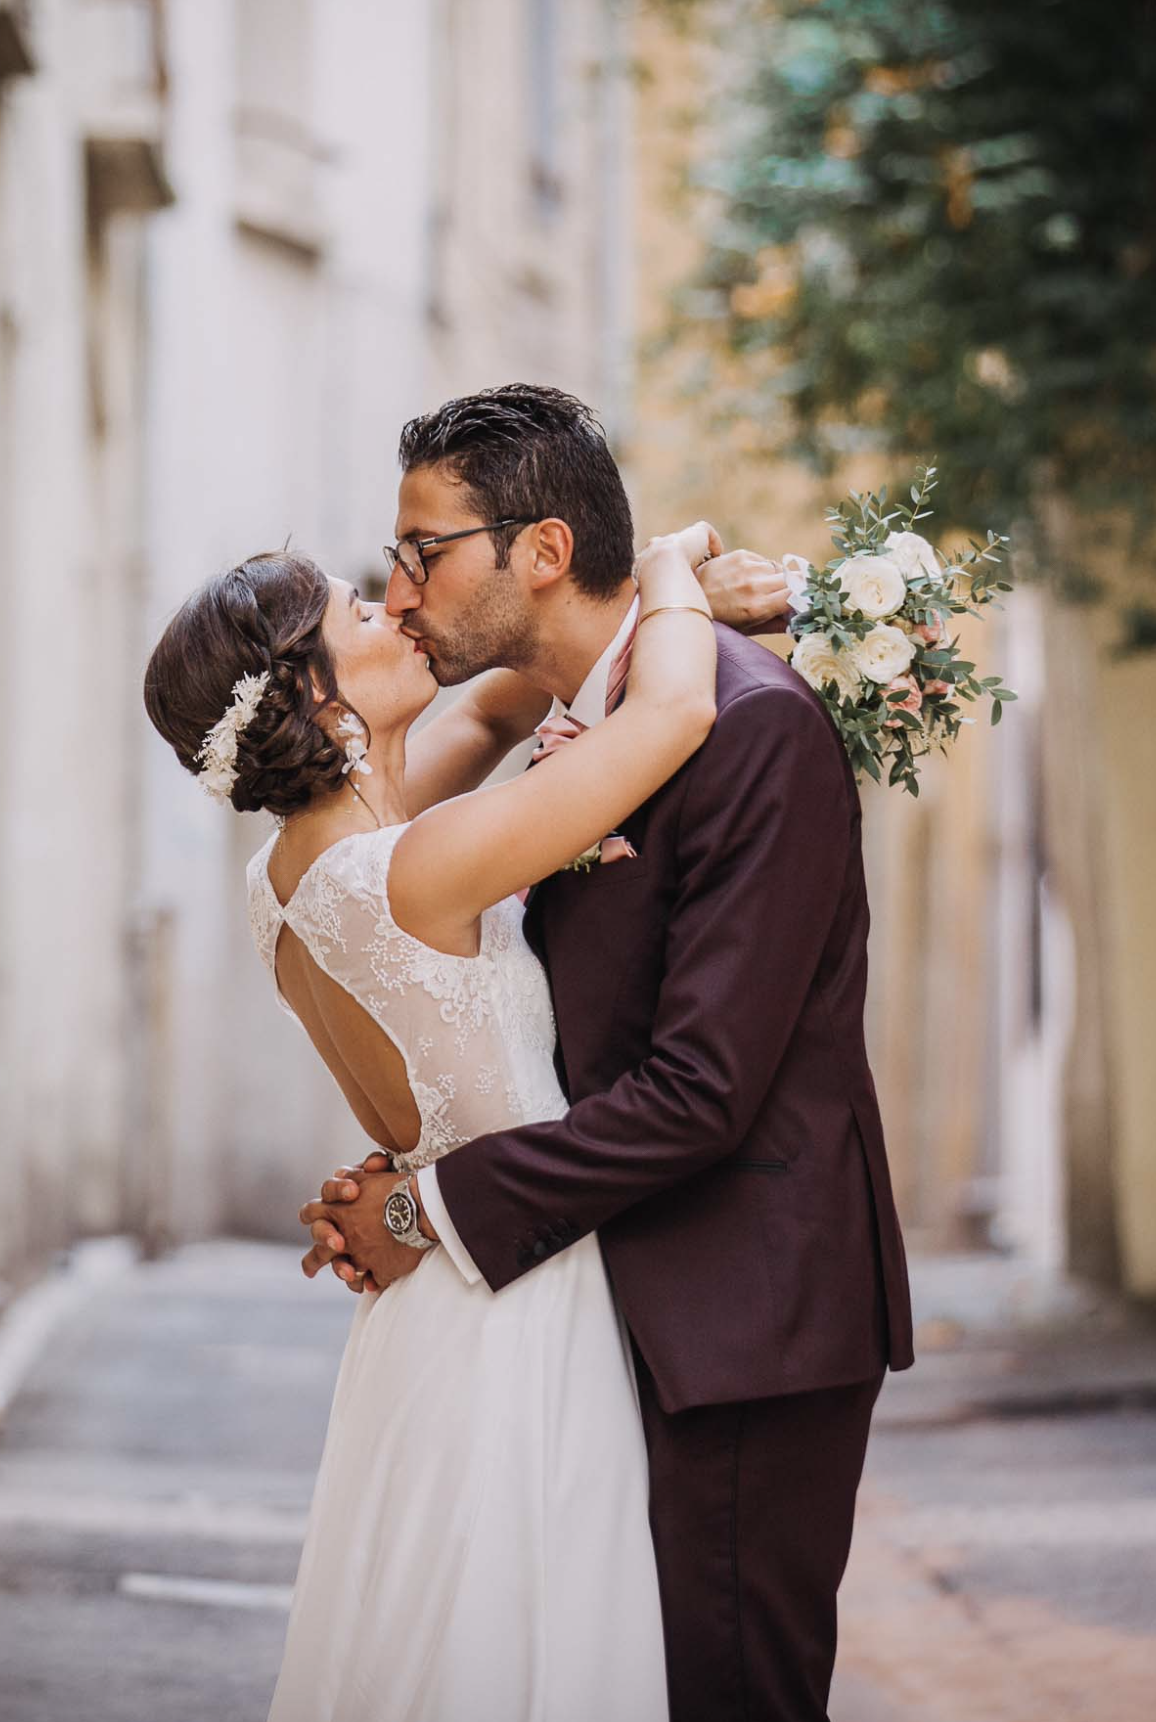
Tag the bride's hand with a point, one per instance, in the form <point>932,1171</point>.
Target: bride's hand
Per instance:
<point>746,591</point>
<point>665,572</point>
<point>697,543</point>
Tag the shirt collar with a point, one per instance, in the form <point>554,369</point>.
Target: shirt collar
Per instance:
<point>588,706</point>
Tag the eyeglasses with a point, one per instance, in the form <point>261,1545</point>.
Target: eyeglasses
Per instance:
<point>408,554</point>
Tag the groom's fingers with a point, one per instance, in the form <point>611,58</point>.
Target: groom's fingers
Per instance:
<point>323,1233</point>
<point>747,590</point>
<point>340,1190</point>
<point>315,1210</point>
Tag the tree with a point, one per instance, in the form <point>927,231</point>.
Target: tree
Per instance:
<point>937,236</point>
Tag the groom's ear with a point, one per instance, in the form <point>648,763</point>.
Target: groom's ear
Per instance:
<point>551,547</point>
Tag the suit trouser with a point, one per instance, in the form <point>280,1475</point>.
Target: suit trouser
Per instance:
<point>751,1508</point>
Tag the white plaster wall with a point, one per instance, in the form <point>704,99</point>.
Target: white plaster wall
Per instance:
<point>280,380</point>
<point>254,350</point>
<point>48,860</point>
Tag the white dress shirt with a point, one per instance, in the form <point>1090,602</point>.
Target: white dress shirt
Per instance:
<point>588,708</point>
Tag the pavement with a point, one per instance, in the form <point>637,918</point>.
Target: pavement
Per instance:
<point>1004,1565</point>
<point>161,1422</point>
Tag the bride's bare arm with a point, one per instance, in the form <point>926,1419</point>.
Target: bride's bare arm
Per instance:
<point>460,857</point>
<point>459,747</point>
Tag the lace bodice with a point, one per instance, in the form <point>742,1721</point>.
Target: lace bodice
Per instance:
<point>476,1033</point>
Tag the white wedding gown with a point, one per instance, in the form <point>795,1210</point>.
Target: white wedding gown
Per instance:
<point>478,1547</point>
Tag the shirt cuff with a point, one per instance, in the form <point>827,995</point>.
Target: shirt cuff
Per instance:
<point>439,1218</point>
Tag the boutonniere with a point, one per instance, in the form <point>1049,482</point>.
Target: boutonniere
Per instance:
<point>612,848</point>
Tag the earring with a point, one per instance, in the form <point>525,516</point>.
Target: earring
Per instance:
<point>353,730</point>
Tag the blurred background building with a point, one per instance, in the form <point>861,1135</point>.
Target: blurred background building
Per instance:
<point>240,242</point>
<point>784,247</point>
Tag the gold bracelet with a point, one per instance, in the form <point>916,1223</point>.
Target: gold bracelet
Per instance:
<point>659,608</point>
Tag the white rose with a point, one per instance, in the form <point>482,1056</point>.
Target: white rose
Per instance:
<point>873,584</point>
<point>818,662</point>
<point>913,554</point>
<point>883,654</point>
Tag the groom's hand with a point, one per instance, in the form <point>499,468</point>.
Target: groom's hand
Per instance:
<point>747,592</point>
<point>349,1232</point>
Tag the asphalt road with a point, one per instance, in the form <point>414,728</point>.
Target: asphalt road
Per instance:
<point>156,1467</point>
<point>155,1473</point>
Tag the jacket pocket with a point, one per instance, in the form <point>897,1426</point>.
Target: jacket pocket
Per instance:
<point>762,1166</point>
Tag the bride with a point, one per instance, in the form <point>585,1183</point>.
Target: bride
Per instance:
<point>478,1547</point>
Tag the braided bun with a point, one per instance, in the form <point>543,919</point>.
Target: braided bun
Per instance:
<point>264,615</point>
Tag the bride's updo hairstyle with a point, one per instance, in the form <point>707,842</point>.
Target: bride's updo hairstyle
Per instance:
<point>264,615</point>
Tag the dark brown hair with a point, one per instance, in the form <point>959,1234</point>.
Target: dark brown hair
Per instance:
<point>265,614</point>
<point>528,452</point>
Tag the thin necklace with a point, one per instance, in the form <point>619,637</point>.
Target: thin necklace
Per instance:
<point>364,803</point>
<point>284,820</point>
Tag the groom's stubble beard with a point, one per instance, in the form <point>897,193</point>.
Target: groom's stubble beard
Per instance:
<point>492,631</point>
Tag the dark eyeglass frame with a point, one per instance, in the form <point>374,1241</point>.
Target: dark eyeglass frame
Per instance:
<point>393,556</point>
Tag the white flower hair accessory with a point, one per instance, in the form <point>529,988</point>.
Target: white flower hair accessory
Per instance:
<point>353,730</point>
<point>217,755</point>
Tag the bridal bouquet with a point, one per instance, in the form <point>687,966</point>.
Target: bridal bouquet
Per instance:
<point>872,631</point>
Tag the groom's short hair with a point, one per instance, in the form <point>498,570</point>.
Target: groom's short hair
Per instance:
<point>525,451</point>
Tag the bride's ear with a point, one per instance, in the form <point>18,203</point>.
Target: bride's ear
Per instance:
<point>551,546</point>
<point>328,713</point>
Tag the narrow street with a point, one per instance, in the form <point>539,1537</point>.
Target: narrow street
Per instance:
<point>156,1465</point>
<point>155,1473</point>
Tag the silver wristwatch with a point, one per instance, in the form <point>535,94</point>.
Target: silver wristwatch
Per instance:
<point>401,1215</point>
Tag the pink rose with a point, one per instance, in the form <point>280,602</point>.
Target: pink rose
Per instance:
<point>911,704</point>
<point>938,687</point>
<point>931,633</point>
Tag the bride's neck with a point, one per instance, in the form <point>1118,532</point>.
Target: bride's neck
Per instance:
<point>382,789</point>
<point>380,795</point>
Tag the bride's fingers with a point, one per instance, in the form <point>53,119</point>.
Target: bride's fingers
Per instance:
<point>375,1162</point>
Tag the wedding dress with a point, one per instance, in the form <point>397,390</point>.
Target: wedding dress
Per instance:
<point>478,1547</point>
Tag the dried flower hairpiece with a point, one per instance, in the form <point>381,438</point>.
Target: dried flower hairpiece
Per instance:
<point>217,755</point>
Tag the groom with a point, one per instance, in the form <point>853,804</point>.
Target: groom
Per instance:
<point>723,1134</point>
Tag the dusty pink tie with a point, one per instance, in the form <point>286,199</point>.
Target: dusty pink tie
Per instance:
<point>619,670</point>
<point>557,730</point>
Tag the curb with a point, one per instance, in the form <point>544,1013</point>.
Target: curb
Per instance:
<point>30,1320</point>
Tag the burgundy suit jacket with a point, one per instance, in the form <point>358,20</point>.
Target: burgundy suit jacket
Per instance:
<point>723,1135</point>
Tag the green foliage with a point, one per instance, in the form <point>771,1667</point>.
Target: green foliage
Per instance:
<point>938,230</point>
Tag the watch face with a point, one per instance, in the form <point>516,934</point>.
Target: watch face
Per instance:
<point>400,1213</point>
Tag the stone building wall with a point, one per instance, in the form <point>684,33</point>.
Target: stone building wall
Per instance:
<point>241,241</point>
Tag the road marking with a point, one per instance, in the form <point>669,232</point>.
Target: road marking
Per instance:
<point>31,1320</point>
<point>210,1593</point>
<point>195,1516</point>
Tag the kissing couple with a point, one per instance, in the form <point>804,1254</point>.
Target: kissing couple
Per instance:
<point>629,1266</point>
